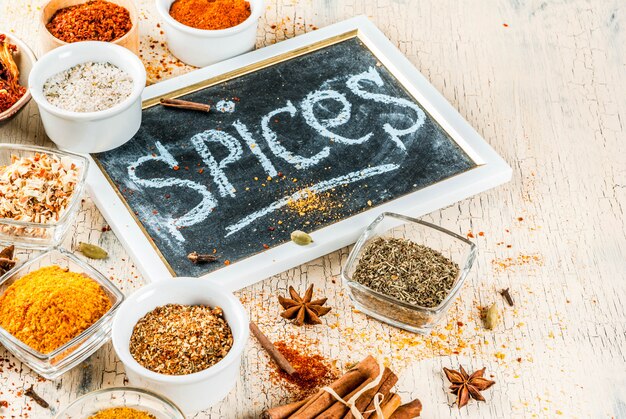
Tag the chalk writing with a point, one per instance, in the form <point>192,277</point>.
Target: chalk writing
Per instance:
<point>278,149</point>
<point>233,146</point>
<point>199,213</point>
<point>225,106</point>
<point>372,75</point>
<point>308,113</point>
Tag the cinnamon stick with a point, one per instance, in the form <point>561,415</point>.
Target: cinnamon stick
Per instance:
<point>274,353</point>
<point>408,411</point>
<point>384,389</point>
<point>322,400</point>
<point>368,397</point>
<point>185,104</point>
<point>283,412</point>
<point>389,406</point>
<point>338,409</point>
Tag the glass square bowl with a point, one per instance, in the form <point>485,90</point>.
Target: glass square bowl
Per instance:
<point>64,358</point>
<point>388,309</point>
<point>41,236</point>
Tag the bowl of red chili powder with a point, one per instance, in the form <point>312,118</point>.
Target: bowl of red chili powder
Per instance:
<point>68,21</point>
<point>203,32</point>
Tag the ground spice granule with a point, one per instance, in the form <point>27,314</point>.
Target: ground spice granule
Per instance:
<point>210,14</point>
<point>48,307</point>
<point>312,370</point>
<point>122,413</point>
<point>180,339</point>
<point>96,20</point>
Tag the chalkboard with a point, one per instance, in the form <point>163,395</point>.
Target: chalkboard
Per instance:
<point>298,145</point>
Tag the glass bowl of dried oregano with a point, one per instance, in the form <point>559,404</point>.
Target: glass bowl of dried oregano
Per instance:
<point>407,272</point>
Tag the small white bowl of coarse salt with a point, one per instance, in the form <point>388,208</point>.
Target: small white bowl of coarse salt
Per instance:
<point>89,95</point>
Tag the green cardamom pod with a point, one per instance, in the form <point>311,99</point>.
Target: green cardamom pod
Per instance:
<point>301,238</point>
<point>492,317</point>
<point>92,251</point>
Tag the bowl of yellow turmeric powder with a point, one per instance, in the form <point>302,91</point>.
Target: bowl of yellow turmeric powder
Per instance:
<point>121,403</point>
<point>55,311</point>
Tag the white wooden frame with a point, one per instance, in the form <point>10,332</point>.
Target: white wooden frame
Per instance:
<point>491,171</point>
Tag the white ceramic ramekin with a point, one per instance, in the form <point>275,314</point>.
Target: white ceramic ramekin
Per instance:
<point>193,392</point>
<point>200,47</point>
<point>89,132</point>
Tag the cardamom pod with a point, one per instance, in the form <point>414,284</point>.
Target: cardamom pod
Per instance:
<point>301,238</point>
<point>92,251</point>
<point>492,317</point>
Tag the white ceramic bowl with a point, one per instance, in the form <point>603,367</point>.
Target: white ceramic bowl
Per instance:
<point>192,392</point>
<point>89,132</point>
<point>200,47</point>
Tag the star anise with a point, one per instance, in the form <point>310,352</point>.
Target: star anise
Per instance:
<point>303,309</point>
<point>465,386</point>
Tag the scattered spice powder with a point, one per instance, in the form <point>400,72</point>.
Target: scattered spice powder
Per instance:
<point>10,89</point>
<point>96,20</point>
<point>122,413</point>
<point>210,14</point>
<point>48,307</point>
<point>312,370</point>
<point>181,339</point>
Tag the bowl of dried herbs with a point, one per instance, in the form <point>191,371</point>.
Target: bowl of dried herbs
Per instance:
<point>406,272</point>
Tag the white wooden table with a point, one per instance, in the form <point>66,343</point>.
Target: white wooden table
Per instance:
<point>544,82</point>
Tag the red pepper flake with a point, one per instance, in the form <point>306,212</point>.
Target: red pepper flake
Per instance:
<point>167,196</point>
<point>460,324</point>
<point>155,212</point>
<point>470,235</point>
<point>265,246</point>
<point>201,171</point>
<point>520,219</point>
<point>4,403</point>
<point>506,25</point>
<point>96,20</point>
<point>175,167</point>
<point>519,359</point>
<point>227,262</point>
<point>481,233</point>
<point>270,228</point>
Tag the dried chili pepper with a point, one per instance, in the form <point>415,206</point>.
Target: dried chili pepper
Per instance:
<point>10,89</point>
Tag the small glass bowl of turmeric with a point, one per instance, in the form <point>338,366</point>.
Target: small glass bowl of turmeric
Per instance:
<point>121,402</point>
<point>55,311</point>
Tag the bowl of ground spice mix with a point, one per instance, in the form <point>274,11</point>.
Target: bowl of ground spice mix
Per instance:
<point>67,21</point>
<point>55,311</point>
<point>407,272</point>
<point>203,32</point>
<point>183,338</point>
<point>121,403</point>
